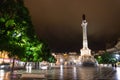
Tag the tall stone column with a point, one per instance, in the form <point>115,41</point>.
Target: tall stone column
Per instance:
<point>85,50</point>
<point>86,58</point>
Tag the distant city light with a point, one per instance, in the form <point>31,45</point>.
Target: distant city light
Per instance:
<point>117,56</point>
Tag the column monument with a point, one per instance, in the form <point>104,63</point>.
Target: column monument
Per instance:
<point>86,58</point>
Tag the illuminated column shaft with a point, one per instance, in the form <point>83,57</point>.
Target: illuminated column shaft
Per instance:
<point>85,50</point>
<point>84,27</point>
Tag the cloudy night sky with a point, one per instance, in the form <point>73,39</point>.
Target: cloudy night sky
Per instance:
<point>59,22</point>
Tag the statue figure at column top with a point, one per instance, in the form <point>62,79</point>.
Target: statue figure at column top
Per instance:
<point>83,17</point>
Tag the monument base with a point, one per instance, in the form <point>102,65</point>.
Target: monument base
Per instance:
<point>87,60</point>
<point>85,51</point>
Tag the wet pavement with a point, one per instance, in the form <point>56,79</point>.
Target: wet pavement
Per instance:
<point>67,73</point>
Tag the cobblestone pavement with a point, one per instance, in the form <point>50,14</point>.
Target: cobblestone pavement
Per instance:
<point>68,73</point>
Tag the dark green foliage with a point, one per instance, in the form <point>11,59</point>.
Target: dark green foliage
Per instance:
<point>106,58</point>
<point>17,34</point>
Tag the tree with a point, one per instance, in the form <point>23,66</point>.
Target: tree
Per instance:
<point>106,58</point>
<point>17,33</point>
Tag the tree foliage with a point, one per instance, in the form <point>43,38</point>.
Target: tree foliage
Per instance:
<point>17,34</point>
<point>106,58</point>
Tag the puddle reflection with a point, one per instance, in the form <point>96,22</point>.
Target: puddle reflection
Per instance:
<point>4,75</point>
<point>118,73</point>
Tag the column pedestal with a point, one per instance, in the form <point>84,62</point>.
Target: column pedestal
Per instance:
<point>86,58</point>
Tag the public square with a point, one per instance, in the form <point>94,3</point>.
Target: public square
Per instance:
<point>48,40</point>
<point>66,73</point>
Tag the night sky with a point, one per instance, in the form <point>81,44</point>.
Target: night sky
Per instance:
<point>59,22</point>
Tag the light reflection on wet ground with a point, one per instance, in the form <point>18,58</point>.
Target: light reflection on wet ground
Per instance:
<point>71,73</point>
<point>117,74</point>
<point>4,75</point>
